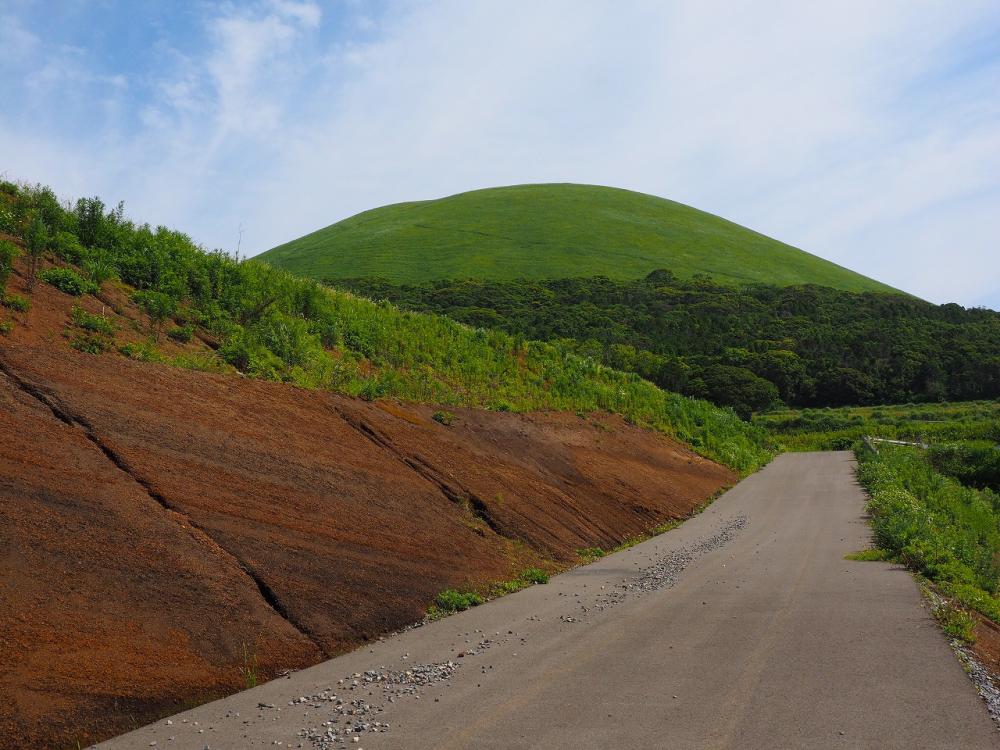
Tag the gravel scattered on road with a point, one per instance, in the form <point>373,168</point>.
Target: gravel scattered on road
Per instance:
<point>664,572</point>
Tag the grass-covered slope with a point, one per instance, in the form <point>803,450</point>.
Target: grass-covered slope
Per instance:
<point>267,323</point>
<point>552,231</point>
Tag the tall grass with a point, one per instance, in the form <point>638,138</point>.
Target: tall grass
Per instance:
<point>940,528</point>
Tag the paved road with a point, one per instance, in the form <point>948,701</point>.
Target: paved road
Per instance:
<point>767,638</point>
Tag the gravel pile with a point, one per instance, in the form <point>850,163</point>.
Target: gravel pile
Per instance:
<point>665,571</point>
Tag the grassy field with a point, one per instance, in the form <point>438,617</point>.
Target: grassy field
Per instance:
<point>841,429</point>
<point>551,231</point>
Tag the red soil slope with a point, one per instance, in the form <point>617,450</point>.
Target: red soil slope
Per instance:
<point>163,527</point>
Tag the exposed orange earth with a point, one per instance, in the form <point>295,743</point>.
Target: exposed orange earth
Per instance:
<point>165,528</point>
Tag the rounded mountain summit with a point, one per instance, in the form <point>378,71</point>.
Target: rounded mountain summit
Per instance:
<point>551,231</point>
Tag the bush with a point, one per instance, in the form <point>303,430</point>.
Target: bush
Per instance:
<point>182,334</point>
<point>535,575</point>
<point>16,302</point>
<point>443,417</point>
<point>142,351</point>
<point>67,281</point>
<point>6,327</point>
<point>90,322</point>
<point>956,622</point>
<point>157,305</point>
<point>91,343</point>
<point>8,251</point>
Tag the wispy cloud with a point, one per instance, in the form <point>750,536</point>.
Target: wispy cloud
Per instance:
<point>866,133</point>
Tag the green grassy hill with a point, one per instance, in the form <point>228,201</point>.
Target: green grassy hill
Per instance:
<point>552,231</point>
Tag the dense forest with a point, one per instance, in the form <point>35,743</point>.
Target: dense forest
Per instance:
<point>750,347</point>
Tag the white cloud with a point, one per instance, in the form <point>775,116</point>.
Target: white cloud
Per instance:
<point>854,130</point>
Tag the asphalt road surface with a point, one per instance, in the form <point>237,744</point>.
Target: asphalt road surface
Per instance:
<point>743,628</point>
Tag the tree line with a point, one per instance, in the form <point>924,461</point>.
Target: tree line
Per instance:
<point>751,347</point>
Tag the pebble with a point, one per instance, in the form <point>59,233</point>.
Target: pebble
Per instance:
<point>664,572</point>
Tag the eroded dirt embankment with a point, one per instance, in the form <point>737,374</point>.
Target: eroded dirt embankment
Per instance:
<point>164,528</point>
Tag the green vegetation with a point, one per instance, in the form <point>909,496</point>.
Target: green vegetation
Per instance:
<point>589,554</point>
<point>973,463</point>
<point>16,302</point>
<point>91,322</point>
<point>534,575</point>
<point>443,417</point>
<point>842,429</point>
<point>6,327</point>
<point>945,531</point>
<point>181,334</point>
<point>451,600</point>
<point>68,281</point>
<point>8,251</point>
<point>869,555</point>
<point>956,621</point>
<point>548,232</point>
<point>277,326</point>
<point>249,670</point>
<point>751,347</point>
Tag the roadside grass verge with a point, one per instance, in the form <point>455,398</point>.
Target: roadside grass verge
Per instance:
<point>870,555</point>
<point>450,601</point>
<point>939,528</point>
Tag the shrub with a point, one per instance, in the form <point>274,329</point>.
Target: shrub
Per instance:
<point>6,327</point>
<point>534,575</point>
<point>90,322</point>
<point>181,334</point>
<point>67,281</point>
<point>67,246</point>
<point>141,351</point>
<point>8,251</point>
<point>91,343</point>
<point>956,622</point>
<point>157,305</point>
<point>36,239</point>
<point>16,302</point>
<point>443,417</point>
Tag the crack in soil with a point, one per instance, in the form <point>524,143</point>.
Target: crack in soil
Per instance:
<point>78,422</point>
<point>461,497</point>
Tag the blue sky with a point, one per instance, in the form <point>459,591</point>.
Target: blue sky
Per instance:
<point>868,133</point>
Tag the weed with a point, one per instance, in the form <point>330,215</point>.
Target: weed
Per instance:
<point>956,622</point>
<point>249,669</point>
<point>16,303</point>
<point>90,322</point>
<point>6,327</point>
<point>451,600</point>
<point>534,575</point>
<point>443,417</point>
<point>870,555</point>
<point>663,528</point>
<point>142,351</point>
<point>589,554</point>
<point>91,343</point>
